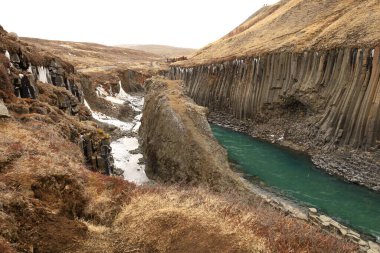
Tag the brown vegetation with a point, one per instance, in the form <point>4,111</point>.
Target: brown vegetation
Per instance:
<point>52,203</point>
<point>162,50</point>
<point>93,58</point>
<point>297,26</point>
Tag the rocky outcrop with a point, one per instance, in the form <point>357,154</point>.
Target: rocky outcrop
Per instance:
<point>26,65</point>
<point>97,152</point>
<point>177,141</point>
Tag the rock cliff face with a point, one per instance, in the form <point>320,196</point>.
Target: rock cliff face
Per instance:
<point>177,140</point>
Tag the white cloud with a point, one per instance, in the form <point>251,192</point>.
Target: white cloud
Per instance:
<point>187,24</point>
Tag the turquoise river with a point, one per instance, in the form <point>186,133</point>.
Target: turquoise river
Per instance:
<point>294,175</point>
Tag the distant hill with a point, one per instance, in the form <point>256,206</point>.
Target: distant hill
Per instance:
<point>162,50</point>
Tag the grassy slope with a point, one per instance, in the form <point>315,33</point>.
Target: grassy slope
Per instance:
<point>52,203</point>
<point>91,57</point>
<point>298,25</point>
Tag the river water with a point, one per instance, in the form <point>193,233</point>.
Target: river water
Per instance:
<point>294,175</point>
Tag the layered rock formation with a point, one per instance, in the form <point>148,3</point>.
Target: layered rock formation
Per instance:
<point>177,140</point>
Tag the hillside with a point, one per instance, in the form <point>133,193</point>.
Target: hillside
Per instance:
<point>162,50</point>
<point>103,65</point>
<point>91,57</point>
<point>299,25</point>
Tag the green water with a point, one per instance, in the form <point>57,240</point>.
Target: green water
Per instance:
<point>295,176</point>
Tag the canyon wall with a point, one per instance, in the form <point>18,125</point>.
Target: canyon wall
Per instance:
<point>339,87</point>
<point>177,140</point>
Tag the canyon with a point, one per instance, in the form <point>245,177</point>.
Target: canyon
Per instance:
<point>318,96</point>
<point>110,149</point>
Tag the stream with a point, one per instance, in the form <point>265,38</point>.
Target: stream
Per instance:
<point>293,175</point>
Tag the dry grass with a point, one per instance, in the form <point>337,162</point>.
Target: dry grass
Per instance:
<point>299,25</point>
<point>45,186</point>
<point>162,50</point>
<point>195,219</point>
<point>92,58</point>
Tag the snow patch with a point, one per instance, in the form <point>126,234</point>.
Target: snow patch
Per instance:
<point>137,103</point>
<point>124,126</point>
<point>124,159</point>
<point>128,162</point>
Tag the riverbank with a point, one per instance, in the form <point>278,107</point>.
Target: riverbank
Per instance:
<point>354,166</point>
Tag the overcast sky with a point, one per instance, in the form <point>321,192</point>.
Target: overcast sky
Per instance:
<point>193,23</point>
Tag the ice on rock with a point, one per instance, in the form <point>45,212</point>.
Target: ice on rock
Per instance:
<point>101,92</point>
<point>7,55</point>
<point>43,75</point>
<point>29,70</point>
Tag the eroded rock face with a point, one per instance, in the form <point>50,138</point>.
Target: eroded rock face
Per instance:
<point>177,141</point>
<point>340,87</point>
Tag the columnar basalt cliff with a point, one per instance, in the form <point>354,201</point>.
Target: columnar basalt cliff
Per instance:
<point>312,83</point>
<point>341,85</point>
<point>183,150</point>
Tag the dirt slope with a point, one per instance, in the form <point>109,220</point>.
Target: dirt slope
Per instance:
<point>299,25</point>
